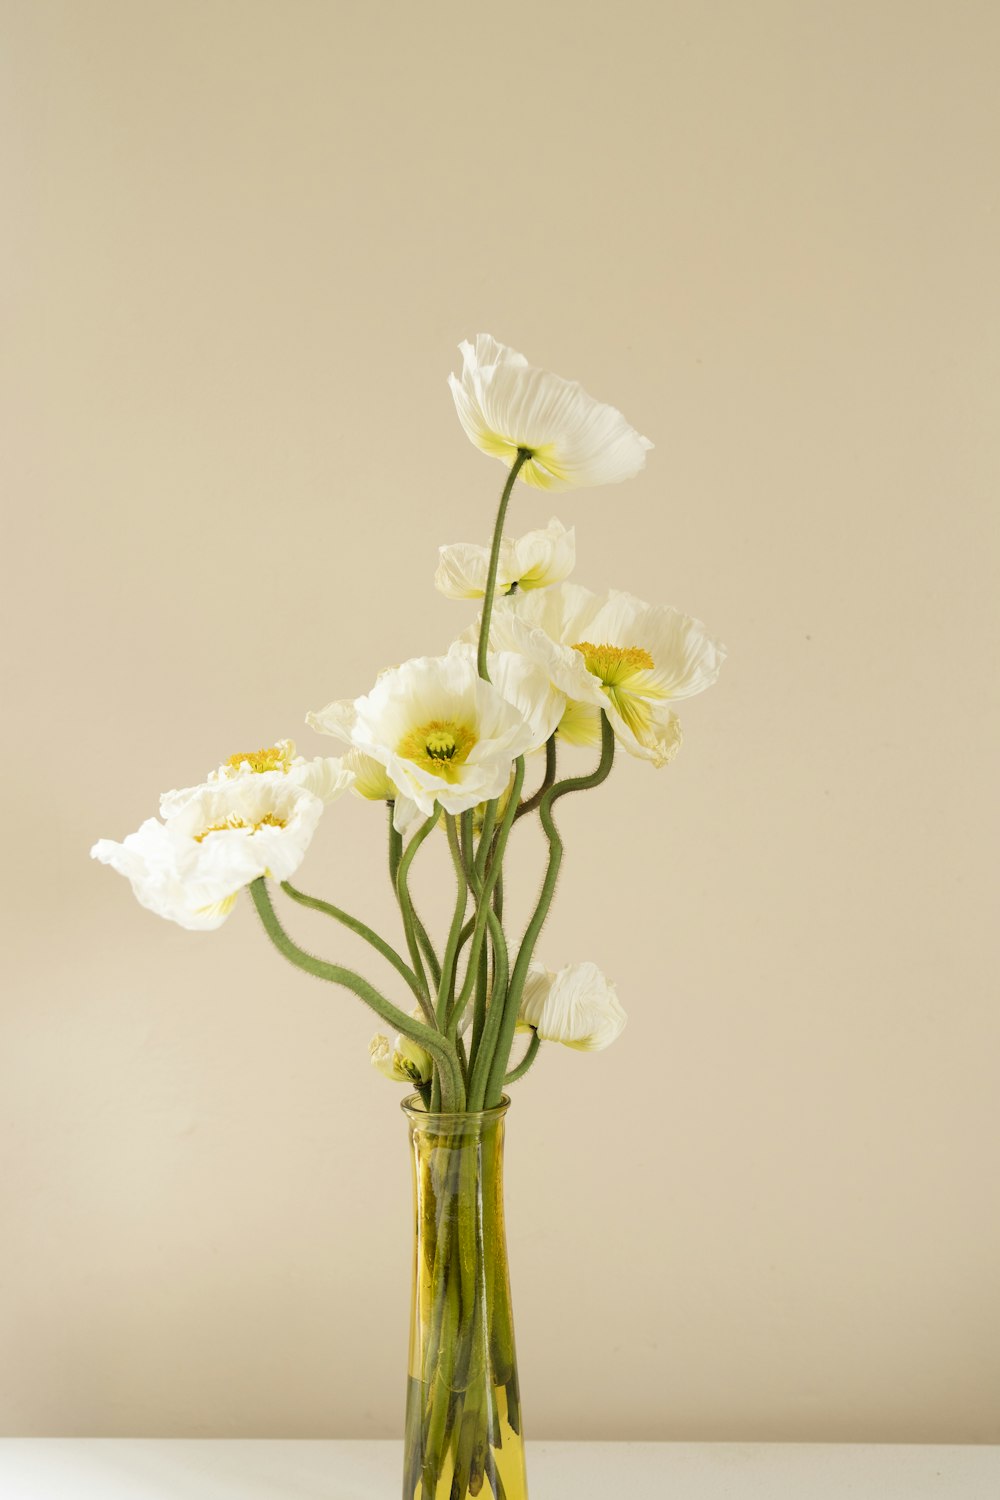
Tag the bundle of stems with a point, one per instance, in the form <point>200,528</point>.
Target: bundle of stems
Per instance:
<point>475,967</point>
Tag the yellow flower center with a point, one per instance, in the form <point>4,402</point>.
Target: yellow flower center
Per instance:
<point>271,758</point>
<point>269,820</point>
<point>622,672</point>
<point>440,746</point>
<point>614,664</point>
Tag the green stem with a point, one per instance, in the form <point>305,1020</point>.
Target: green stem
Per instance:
<point>530,1053</point>
<point>361,928</point>
<point>492,1029</point>
<point>446,989</point>
<point>395,855</point>
<point>523,454</point>
<point>406,907</point>
<point>483,893</point>
<point>429,1037</point>
<point>527,948</point>
<point>486,838</point>
<point>529,805</point>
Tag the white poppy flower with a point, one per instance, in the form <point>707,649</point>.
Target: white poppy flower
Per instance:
<point>442,733</point>
<point>402,1060</point>
<point>615,652</point>
<point>577,1006</point>
<point>505,404</point>
<point>326,776</point>
<point>533,561</point>
<point>191,867</point>
<point>526,685</point>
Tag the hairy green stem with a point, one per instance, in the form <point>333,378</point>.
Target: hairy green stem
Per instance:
<point>530,803</point>
<point>387,951</point>
<point>530,1053</point>
<point>526,951</point>
<point>523,454</point>
<point>446,989</point>
<point>406,907</point>
<point>395,855</point>
<point>440,1049</point>
<point>483,894</point>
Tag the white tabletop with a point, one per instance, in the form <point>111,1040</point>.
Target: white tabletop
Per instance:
<point>262,1469</point>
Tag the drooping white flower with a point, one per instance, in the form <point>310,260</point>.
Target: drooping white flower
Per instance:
<point>442,733</point>
<point>402,1060</point>
<point>505,404</point>
<point>615,652</point>
<point>577,1006</point>
<point>533,561</point>
<point>191,867</point>
<point>326,776</point>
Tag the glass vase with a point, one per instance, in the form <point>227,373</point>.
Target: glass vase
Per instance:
<point>464,1434</point>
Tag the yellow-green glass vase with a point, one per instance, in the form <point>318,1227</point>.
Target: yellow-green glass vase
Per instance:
<point>464,1433</point>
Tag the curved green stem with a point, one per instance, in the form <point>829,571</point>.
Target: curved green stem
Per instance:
<point>530,1053</point>
<point>523,454</point>
<point>530,803</point>
<point>387,951</point>
<point>440,1049</point>
<point>495,1012</point>
<point>483,894</point>
<point>395,855</point>
<point>538,916</point>
<point>406,907</point>
<point>447,986</point>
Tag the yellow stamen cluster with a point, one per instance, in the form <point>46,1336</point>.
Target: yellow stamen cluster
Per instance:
<point>440,746</point>
<point>614,664</point>
<point>271,758</point>
<point>269,820</point>
<point>621,671</point>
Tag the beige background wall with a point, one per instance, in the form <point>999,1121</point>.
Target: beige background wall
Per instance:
<point>246,239</point>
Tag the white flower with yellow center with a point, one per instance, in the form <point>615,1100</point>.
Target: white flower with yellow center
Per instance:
<point>577,1006</point>
<point>191,867</point>
<point>402,1060</point>
<point>533,561</point>
<point>443,734</point>
<point>615,652</point>
<point>505,405</point>
<point>326,776</point>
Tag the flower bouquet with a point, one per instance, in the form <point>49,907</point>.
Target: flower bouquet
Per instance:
<point>460,748</point>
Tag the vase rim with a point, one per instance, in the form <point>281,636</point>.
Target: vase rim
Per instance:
<point>414,1109</point>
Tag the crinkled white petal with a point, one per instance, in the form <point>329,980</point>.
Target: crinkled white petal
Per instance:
<point>548,626</point>
<point>190,868</point>
<point>336,719</point>
<point>407,698</point>
<point>687,659</point>
<point>326,776</point>
<point>513,629</point>
<point>545,556</point>
<point>534,561</point>
<point>578,1006</point>
<point>504,404</point>
<point>463,568</point>
<point>525,684</point>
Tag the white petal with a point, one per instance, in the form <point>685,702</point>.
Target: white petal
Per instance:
<point>578,1007</point>
<point>190,868</point>
<point>336,719</point>
<point>504,404</point>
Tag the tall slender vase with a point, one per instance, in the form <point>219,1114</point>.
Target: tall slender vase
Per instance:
<point>464,1433</point>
